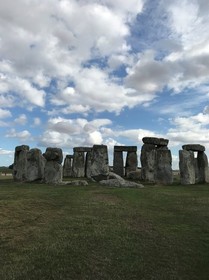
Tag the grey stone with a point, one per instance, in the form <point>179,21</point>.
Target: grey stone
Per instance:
<point>163,172</point>
<point>54,154</point>
<point>125,148</point>
<point>98,163</point>
<point>67,167</point>
<point>117,181</point>
<point>76,183</point>
<point>78,168</point>
<point>20,163</point>
<point>194,147</point>
<point>187,167</point>
<point>131,162</point>
<point>148,162</point>
<point>118,165</point>
<point>82,149</point>
<point>134,175</point>
<point>53,172</point>
<point>202,168</point>
<point>155,141</point>
<point>35,165</point>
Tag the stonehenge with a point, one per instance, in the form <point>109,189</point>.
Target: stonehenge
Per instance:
<point>156,161</point>
<point>31,165</point>
<point>193,169</point>
<point>131,160</point>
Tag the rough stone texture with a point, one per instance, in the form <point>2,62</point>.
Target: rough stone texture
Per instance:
<point>202,168</point>
<point>67,167</point>
<point>118,165</point>
<point>163,172</point>
<point>35,165</point>
<point>117,181</point>
<point>134,175</point>
<point>53,172</point>
<point>194,147</point>
<point>125,148</point>
<point>148,162</point>
<point>98,163</point>
<point>155,141</point>
<point>76,183</point>
<point>82,149</point>
<point>131,162</point>
<point>20,163</point>
<point>187,167</point>
<point>54,154</point>
<point>88,164</point>
<point>78,168</point>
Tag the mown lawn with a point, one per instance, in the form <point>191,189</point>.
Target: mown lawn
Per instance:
<point>93,232</point>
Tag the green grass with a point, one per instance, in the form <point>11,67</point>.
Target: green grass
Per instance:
<point>93,232</point>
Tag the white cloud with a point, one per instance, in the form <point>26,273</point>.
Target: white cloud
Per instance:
<point>21,136</point>
<point>6,152</point>
<point>21,120</point>
<point>5,114</point>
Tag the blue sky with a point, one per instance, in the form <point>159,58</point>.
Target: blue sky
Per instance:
<point>81,72</point>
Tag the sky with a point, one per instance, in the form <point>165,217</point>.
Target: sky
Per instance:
<point>84,72</point>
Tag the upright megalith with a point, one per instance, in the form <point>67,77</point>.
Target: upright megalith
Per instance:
<point>98,164</point>
<point>35,165</point>
<point>53,168</point>
<point>156,161</point>
<point>193,170</point>
<point>20,163</point>
<point>131,160</point>
<point>79,161</point>
<point>67,167</point>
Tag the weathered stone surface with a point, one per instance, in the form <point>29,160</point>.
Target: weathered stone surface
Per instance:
<point>75,183</point>
<point>117,181</point>
<point>187,167</point>
<point>35,165</point>
<point>54,154</point>
<point>194,147</point>
<point>134,175</point>
<point>163,172</point>
<point>53,172</point>
<point>20,163</point>
<point>82,149</point>
<point>98,163</point>
<point>148,162</point>
<point>155,141</point>
<point>202,168</point>
<point>131,162</point>
<point>125,148</point>
<point>78,168</point>
<point>118,165</point>
<point>67,167</point>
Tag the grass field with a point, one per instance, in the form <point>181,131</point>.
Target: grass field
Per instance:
<point>65,232</point>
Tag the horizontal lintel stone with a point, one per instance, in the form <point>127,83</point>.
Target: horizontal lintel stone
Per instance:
<point>194,147</point>
<point>125,148</point>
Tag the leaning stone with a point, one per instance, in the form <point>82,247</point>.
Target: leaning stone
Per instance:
<point>118,165</point>
<point>78,168</point>
<point>187,167</point>
<point>98,164</point>
<point>35,165</point>
<point>53,172</point>
<point>20,163</point>
<point>194,147</point>
<point>131,162</point>
<point>155,141</point>
<point>163,173</point>
<point>54,154</point>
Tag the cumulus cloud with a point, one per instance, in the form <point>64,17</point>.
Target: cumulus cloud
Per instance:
<point>21,120</point>
<point>24,135</point>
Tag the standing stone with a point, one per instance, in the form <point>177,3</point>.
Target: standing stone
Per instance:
<point>187,167</point>
<point>131,162</point>
<point>20,163</point>
<point>78,169</point>
<point>35,165</point>
<point>148,162</point>
<point>99,166</point>
<point>53,168</point>
<point>118,165</point>
<point>163,173</point>
<point>202,167</point>
<point>89,155</point>
<point>67,168</point>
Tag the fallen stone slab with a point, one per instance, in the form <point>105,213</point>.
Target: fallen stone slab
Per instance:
<point>117,181</point>
<point>194,147</point>
<point>75,183</point>
<point>155,141</point>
